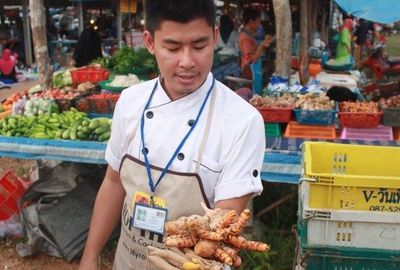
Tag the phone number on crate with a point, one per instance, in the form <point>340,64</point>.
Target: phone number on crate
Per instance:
<point>383,208</point>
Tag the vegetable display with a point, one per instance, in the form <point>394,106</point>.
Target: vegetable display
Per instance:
<point>392,102</point>
<point>127,60</point>
<point>68,125</point>
<point>214,236</point>
<point>314,102</point>
<point>360,107</point>
<point>285,101</point>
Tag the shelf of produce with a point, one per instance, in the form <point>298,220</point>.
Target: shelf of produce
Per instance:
<point>67,150</point>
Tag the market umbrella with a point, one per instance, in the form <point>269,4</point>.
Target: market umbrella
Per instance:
<point>381,11</point>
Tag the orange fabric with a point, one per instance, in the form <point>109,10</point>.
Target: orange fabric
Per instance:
<point>248,47</point>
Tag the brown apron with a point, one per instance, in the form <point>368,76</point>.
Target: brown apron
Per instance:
<point>182,192</point>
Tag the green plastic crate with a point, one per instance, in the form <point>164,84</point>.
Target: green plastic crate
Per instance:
<point>323,262</point>
<point>342,258</point>
<point>273,129</point>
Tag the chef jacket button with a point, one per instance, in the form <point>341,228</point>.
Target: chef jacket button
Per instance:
<point>181,156</point>
<point>255,173</point>
<point>145,151</point>
<point>149,114</point>
<point>190,122</point>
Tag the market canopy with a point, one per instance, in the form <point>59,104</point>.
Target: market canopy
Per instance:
<point>382,11</point>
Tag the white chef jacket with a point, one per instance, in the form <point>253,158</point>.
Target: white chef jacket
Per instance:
<point>234,151</point>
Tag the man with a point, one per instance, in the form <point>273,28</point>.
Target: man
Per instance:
<point>178,140</point>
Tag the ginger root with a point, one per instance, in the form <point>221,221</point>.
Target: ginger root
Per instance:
<point>205,248</point>
<point>216,235</point>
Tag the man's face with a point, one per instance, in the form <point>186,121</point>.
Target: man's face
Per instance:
<point>184,53</point>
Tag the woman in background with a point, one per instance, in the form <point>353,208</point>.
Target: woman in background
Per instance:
<point>250,52</point>
<point>88,47</point>
<point>7,67</point>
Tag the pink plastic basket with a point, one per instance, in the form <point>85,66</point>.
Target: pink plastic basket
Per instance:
<point>368,134</point>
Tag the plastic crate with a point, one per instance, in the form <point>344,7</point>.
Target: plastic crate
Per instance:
<point>277,115</point>
<point>113,102</point>
<point>367,134</point>
<point>354,229</point>
<point>99,105</point>
<point>391,117</point>
<point>82,105</point>
<point>345,259</point>
<point>295,130</point>
<point>315,117</point>
<point>350,177</point>
<point>89,74</point>
<point>65,104</point>
<point>273,129</point>
<point>10,191</point>
<point>360,120</point>
<point>343,256</point>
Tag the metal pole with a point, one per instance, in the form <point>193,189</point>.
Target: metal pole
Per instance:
<point>80,14</point>
<point>129,15</point>
<point>27,33</point>
<point>119,24</point>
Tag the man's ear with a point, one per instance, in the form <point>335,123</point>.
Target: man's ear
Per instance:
<point>216,36</point>
<point>148,41</point>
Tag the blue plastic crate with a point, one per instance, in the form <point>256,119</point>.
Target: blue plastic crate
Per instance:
<point>315,117</point>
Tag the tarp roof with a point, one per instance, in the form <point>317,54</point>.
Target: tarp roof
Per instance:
<point>382,11</point>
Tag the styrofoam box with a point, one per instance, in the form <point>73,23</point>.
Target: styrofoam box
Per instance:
<point>358,229</point>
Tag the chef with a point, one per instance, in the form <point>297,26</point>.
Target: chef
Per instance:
<point>177,140</point>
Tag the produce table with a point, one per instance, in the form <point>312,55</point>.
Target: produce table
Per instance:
<point>67,150</point>
<point>282,157</point>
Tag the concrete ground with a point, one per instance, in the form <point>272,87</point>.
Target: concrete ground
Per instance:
<point>15,88</point>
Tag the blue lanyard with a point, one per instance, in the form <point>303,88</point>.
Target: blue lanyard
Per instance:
<point>146,160</point>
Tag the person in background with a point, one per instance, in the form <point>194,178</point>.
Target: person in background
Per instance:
<point>88,47</point>
<point>180,139</point>
<point>361,38</point>
<point>228,38</point>
<point>8,62</point>
<point>250,52</point>
<point>379,38</point>
<point>343,48</point>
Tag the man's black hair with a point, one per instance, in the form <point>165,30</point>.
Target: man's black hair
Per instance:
<point>181,11</point>
<point>250,14</point>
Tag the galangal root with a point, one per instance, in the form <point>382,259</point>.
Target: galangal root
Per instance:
<point>176,259</point>
<point>215,235</point>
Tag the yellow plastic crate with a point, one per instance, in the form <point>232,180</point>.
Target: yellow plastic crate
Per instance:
<point>350,177</point>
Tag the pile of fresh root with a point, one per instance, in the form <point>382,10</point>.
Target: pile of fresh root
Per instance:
<point>176,259</point>
<point>216,236</point>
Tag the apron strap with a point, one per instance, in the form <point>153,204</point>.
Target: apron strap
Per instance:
<point>206,132</point>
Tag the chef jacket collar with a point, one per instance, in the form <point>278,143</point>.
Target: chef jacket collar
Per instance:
<point>162,103</point>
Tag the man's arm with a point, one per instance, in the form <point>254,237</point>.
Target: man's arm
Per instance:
<point>106,214</point>
<point>238,204</point>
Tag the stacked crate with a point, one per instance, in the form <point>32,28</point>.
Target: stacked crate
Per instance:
<point>349,205</point>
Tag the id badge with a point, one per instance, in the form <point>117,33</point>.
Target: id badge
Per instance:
<point>149,218</point>
<point>144,198</point>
